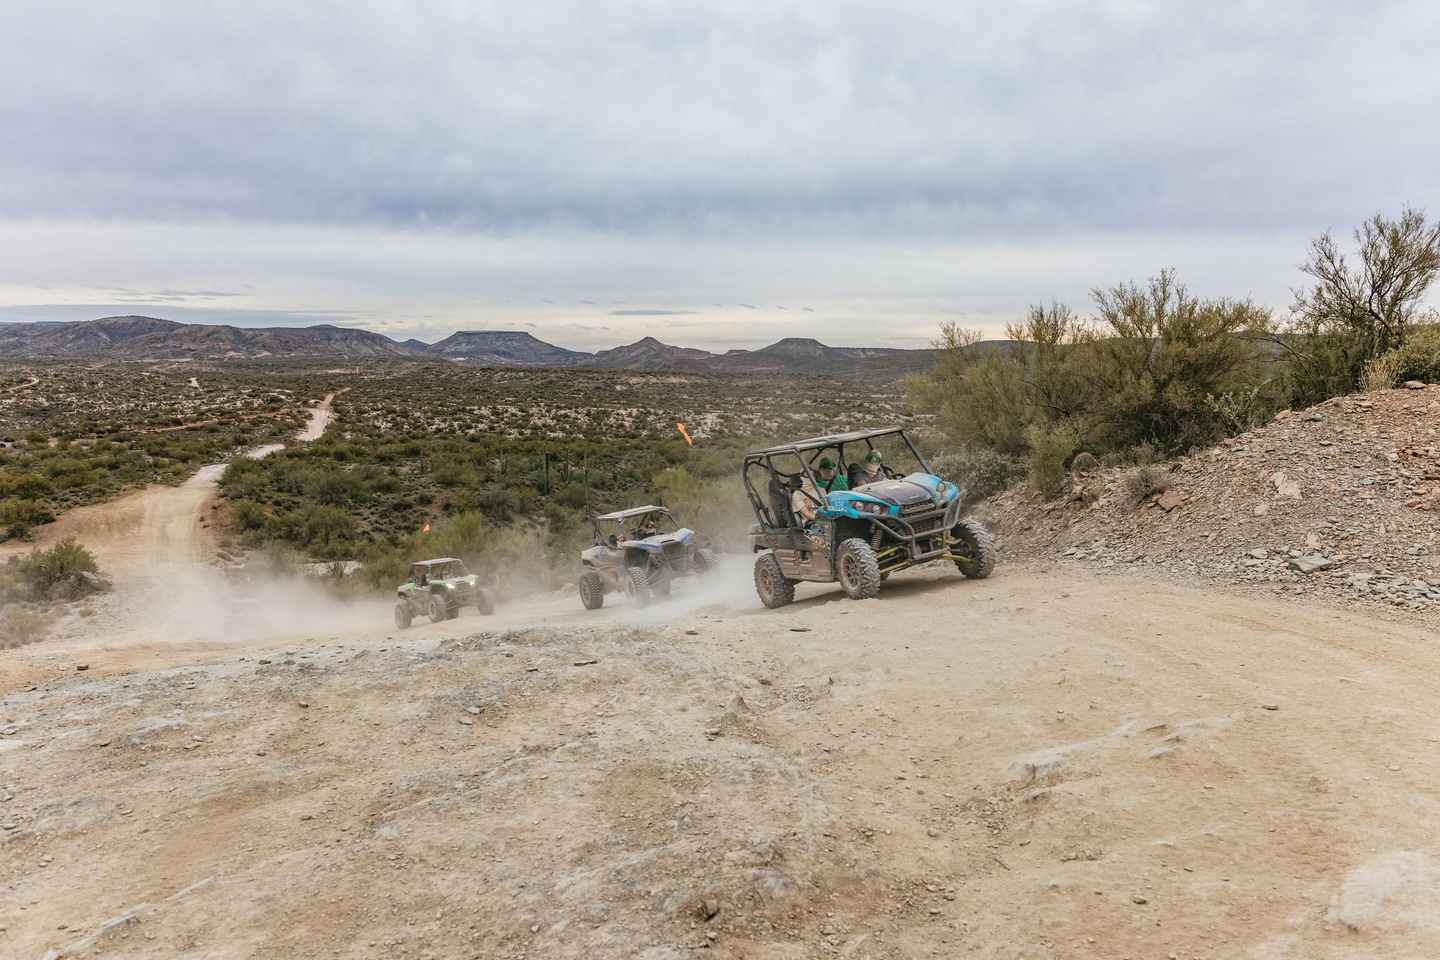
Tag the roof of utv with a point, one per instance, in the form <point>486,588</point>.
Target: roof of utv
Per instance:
<point>437,562</point>
<point>632,512</point>
<point>819,443</point>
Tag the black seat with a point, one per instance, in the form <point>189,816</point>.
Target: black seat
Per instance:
<point>855,474</point>
<point>780,503</point>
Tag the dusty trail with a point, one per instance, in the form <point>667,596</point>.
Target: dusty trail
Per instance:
<point>158,548</point>
<point>1046,764</point>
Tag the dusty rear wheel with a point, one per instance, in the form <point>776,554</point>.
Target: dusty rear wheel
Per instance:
<point>774,588</point>
<point>483,603</point>
<point>660,583</point>
<point>705,560</point>
<point>592,590</point>
<point>974,552</point>
<point>403,616</point>
<point>858,569</point>
<point>637,586</point>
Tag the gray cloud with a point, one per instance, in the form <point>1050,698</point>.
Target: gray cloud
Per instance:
<point>650,313</point>
<point>427,167</point>
<point>917,116</point>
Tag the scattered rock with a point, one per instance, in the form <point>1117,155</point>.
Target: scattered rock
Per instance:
<point>1311,563</point>
<point>1138,899</point>
<point>1269,706</point>
<point>1169,500</point>
<point>82,667</point>
<point>1414,385</point>
<point>1284,486</point>
<point>585,663</point>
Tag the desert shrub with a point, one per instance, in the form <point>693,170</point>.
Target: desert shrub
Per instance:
<point>1051,446</point>
<point>716,507</point>
<point>18,516</point>
<point>1381,373</point>
<point>1084,462</point>
<point>1358,311</point>
<point>980,472</point>
<point>64,571</point>
<point>248,515</point>
<point>19,626</point>
<point>1419,359</point>
<point>1143,482</point>
<point>1155,366</point>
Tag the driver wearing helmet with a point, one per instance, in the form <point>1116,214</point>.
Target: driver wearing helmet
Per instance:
<point>872,468</point>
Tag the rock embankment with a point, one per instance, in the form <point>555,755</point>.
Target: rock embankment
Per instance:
<point>1340,500</point>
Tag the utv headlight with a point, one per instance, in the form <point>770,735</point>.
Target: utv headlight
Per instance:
<point>874,509</point>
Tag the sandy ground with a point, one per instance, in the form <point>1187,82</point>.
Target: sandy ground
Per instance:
<point>1045,764</point>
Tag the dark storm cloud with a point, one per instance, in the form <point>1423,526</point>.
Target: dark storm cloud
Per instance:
<point>918,118</point>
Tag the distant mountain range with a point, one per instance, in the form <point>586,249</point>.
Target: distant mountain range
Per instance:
<point>149,338</point>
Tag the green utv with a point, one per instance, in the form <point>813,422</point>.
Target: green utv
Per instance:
<point>867,521</point>
<point>438,589</point>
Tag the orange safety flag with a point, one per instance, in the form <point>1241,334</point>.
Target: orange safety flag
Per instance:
<point>681,427</point>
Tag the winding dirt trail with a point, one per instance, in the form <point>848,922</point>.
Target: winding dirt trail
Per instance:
<point>160,525</point>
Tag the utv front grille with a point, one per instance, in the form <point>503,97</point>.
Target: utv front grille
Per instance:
<point>921,507</point>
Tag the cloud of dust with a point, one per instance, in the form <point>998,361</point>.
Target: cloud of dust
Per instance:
<point>729,587</point>
<point>189,603</point>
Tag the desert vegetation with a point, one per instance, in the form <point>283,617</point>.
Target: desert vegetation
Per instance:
<point>71,435</point>
<point>1155,370</point>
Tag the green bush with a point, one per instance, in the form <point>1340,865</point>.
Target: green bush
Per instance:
<point>1419,359</point>
<point>1051,447</point>
<point>979,471</point>
<point>58,572</point>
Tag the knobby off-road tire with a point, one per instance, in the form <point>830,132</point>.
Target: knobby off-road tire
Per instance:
<point>439,609</point>
<point>637,586</point>
<point>978,549</point>
<point>403,616</point>
<point>483,603</point>
<point>592,590</point>
<point>858,569</point>
<point>771,584</point>
<point>660,583</point>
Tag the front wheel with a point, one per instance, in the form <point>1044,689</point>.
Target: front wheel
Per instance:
<point>974,550</point>
<point>483,603</point>
<point>592,590</point>
<point>403,616</point>
<point>859,569</point>
<point>439,609</point>
<point>637,586</point>
<point>771,584</point>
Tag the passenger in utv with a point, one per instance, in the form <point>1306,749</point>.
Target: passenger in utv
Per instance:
<point>831,479</point>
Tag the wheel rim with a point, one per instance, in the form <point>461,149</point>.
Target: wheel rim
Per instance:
<point>847,569</point>
<point>767,581</point>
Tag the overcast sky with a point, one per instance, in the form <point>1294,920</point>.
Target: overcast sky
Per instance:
<point>715,174</point>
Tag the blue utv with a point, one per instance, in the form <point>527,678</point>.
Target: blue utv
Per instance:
<point>888,515</point>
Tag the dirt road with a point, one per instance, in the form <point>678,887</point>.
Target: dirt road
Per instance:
<point>1046,764</point>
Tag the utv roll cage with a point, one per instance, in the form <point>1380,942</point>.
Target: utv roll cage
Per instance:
<point>773,509</point>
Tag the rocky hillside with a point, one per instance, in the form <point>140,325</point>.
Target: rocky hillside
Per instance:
<point>504,348</point>
<point>1342,499</point>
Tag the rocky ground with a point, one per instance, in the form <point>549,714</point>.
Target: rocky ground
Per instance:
<point>1340,502</point>
<point>1036,765</point>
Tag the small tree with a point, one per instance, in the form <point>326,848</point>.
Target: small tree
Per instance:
<point>1355,312</point>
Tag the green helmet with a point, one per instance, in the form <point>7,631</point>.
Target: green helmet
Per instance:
<point>874,457</point>
<point>825,464</point>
